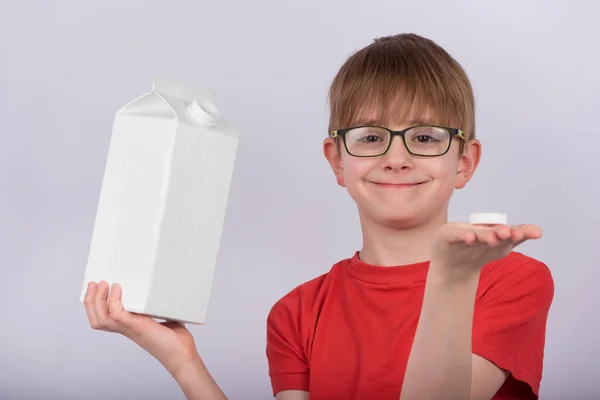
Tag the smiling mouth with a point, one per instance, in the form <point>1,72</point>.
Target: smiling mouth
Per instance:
<point>398,185</point>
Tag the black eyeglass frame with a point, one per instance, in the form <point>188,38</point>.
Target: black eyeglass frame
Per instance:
<point>453,132</point>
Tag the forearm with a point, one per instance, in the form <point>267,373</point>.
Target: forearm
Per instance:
<point>196,382</point>
<point>440,362</point>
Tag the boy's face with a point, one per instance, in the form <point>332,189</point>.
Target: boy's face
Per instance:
<point>399,189</point>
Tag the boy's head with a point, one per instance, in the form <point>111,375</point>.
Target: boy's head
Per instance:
<point>395,83</point>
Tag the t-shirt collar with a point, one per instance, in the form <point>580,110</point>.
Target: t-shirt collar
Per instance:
<point>399,275</point>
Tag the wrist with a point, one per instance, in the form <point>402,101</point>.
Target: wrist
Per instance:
<point>182,369</point>
<point>446,274</point>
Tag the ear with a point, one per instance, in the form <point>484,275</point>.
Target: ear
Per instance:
<point>468,162</point>
<point>332,153</point>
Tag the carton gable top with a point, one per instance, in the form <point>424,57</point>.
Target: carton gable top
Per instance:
<point>173,99</point>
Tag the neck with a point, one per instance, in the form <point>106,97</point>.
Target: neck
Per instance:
<point>391,246</point>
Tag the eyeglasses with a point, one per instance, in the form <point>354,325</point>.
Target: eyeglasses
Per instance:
<point>421,140</point>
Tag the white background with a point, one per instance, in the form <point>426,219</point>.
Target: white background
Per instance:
<point>67,66</point>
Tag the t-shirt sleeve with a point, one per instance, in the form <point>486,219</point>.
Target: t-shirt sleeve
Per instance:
<point>509,325</point>
<point>288,365</point>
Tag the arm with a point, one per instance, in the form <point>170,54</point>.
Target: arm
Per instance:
<point>197,384</point>
<point>292,395</point>
<point>170,343</point>
<point>286,354</point>
<point>195,381</point>
<point>510,318</point>
<point>505,327</point>
<point>442,366</point>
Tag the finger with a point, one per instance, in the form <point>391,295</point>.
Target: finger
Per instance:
<point>88,302</point>
<point>127,323</point>
<point>504,232</point>
<point>101,306</point>
<point>457,232</point>
<point>517,234</point>
<point>488,236</point>
<point>531,231</point>
<point>115,306</point>
<point>469,237</point>
<point>519,242</point>
<point>523,233</point>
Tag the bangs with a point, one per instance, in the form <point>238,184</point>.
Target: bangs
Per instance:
<point>402,81</point>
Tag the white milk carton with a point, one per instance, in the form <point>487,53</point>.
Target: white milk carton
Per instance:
<point>163,202</point>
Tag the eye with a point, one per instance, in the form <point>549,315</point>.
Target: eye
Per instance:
<point>371,138</point>
<point>428,135</point>
<point>424,138</point>
<point>367,136</point>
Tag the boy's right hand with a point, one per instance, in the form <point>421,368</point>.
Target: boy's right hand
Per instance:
<point>169,342</point>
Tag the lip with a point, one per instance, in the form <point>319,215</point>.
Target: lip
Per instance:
<point>398,185</point>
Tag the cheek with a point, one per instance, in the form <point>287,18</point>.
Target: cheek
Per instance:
<point>356,170</point>
<point>442,168</point>
<point>444,174</point>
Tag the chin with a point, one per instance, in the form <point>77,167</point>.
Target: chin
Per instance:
<point>406,215</point>
<point>400,209</point>
<point>393,219</point>
<point>399,222</point>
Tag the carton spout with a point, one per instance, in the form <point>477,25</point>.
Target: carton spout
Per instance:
<point>205,114</point>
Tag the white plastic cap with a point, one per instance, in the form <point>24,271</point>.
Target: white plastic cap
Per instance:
<point>488,219</point>
<point>205,114</point>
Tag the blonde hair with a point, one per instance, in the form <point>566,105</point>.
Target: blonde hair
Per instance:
<point>401,79</point>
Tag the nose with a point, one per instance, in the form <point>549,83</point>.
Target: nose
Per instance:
<point>397,156</point>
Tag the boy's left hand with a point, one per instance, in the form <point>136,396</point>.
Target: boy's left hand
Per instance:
<point>460,250</point>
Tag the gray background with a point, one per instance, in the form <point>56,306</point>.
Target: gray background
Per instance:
<point>67,66</point>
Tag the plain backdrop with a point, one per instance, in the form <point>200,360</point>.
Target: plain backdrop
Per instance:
<point>67,66</point>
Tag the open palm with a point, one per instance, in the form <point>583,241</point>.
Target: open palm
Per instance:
<point>467,247</point>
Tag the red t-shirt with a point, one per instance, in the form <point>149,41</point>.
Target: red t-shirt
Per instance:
<point>347,334</point>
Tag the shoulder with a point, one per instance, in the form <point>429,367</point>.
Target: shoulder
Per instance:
<point>517,267</point>
<point>291,326</point>
<point>306,297</point>
<point>517,276</point>
<point>509,324</point>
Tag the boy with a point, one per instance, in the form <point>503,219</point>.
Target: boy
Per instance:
<point>426,309</point>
